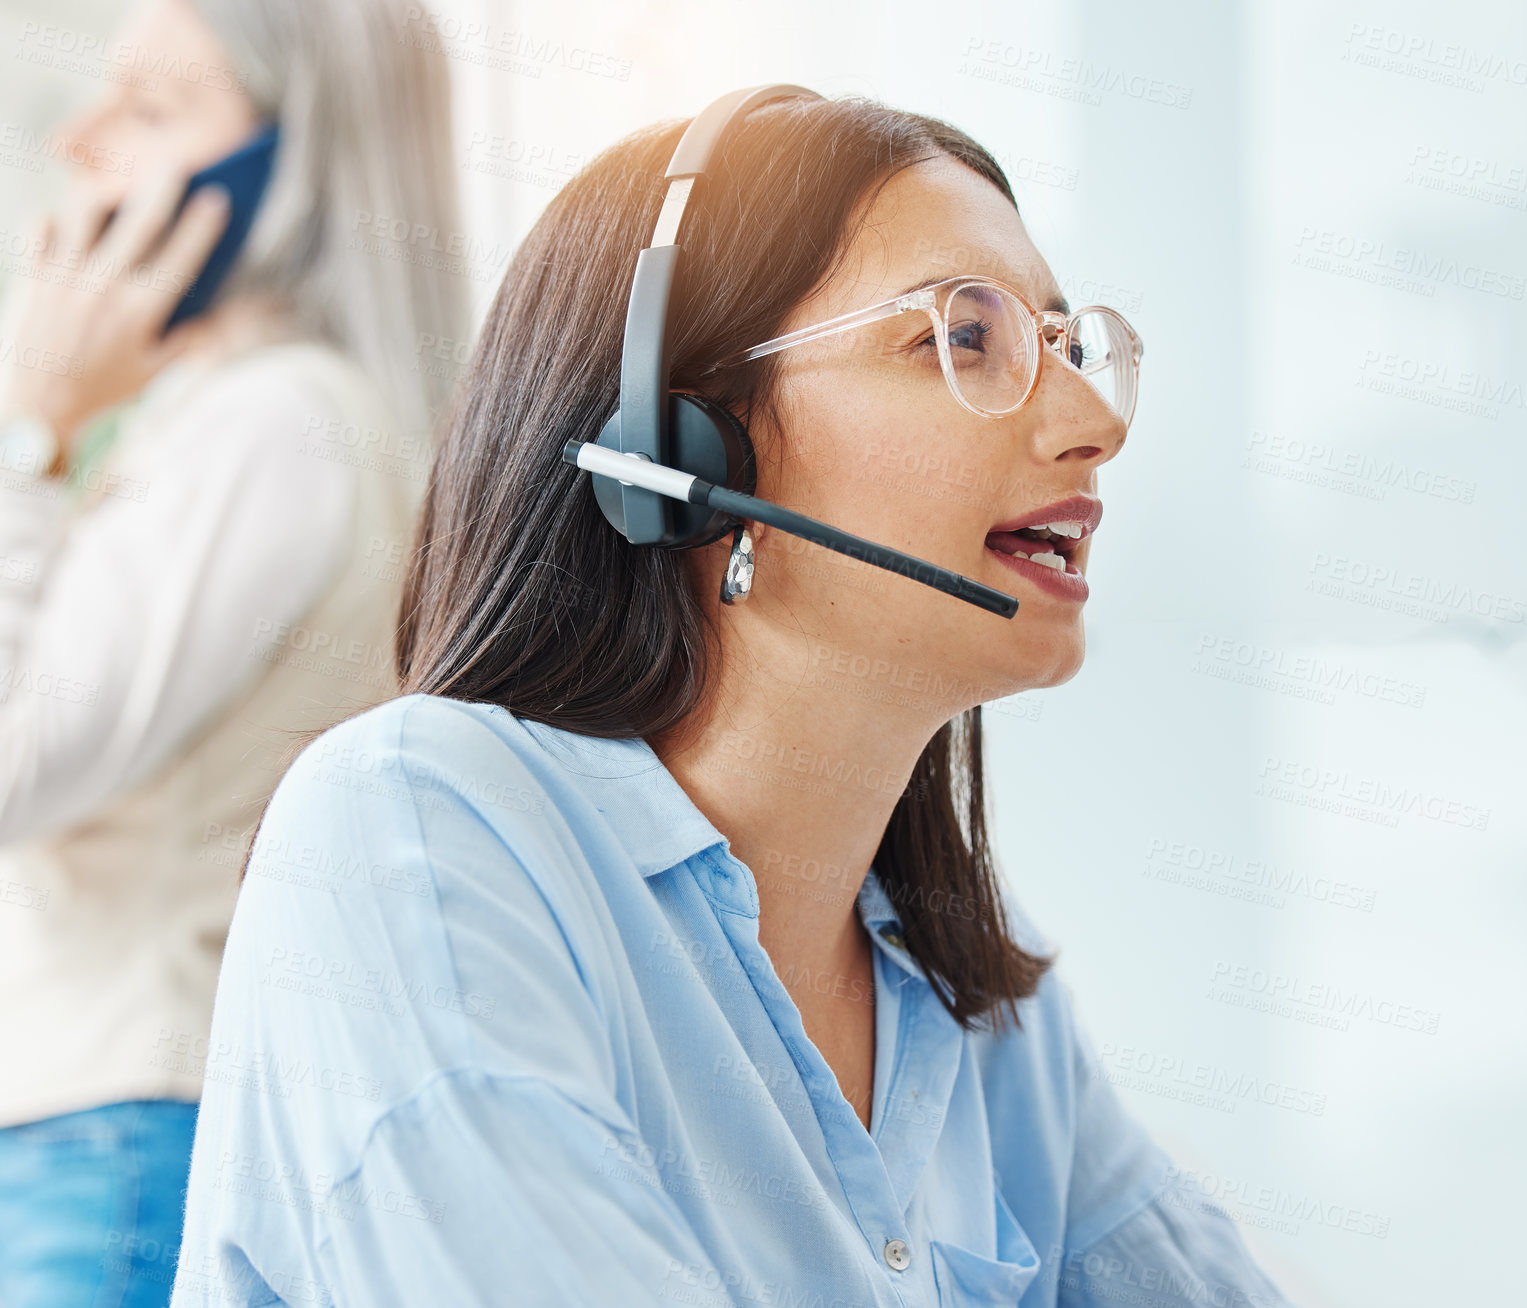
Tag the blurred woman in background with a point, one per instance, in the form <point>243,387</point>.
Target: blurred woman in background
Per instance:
<point>223,579</point>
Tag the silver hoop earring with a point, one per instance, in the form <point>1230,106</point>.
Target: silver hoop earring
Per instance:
<point>737,584</point>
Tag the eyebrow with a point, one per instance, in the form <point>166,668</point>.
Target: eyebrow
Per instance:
<point>1056,303</point>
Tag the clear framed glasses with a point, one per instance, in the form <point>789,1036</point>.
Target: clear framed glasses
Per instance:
<point>989,342</point>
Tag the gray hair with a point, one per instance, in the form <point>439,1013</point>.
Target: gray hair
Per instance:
<point>364,193</point>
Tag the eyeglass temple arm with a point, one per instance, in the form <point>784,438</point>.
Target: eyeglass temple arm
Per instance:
<point>842,323</point>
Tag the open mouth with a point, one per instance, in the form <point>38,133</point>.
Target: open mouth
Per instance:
<point>1051,546</point>
<point>1042,545</point>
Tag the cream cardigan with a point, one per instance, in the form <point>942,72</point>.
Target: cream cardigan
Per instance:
<point>228,578</point>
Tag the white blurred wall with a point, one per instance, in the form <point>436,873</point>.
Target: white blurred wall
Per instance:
<point>1275,825</point>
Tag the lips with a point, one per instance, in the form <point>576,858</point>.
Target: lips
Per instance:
<point>1085,509</point>
<point>1026,546</point>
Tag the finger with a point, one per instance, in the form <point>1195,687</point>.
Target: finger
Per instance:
<point>78,227</point>
<point>141,220</point>
<point>184,253</point>
<point>17,304</point>
<point>40,239</point>
<point>165,350</point>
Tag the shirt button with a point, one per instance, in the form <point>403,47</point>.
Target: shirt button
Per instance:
<point>897,1255</point>
<point>892,937</point>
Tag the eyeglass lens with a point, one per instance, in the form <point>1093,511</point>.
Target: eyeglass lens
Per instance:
<point>993,350</point>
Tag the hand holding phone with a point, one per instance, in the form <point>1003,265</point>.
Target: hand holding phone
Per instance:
<point>92,313</point>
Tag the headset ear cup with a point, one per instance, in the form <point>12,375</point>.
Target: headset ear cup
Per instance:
<point>706,441</point>
<point>710,441</point>
<point>741,466</point>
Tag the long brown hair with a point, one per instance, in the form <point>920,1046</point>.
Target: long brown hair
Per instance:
<point>521,595</point>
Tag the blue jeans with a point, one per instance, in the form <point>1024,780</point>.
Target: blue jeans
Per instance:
<point>91,1206</point>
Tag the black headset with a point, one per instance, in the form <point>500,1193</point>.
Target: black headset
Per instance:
<point>675,470</point>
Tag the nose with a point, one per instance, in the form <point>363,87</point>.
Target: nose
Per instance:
<point>1070,420</point>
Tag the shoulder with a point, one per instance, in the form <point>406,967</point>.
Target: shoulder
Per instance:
<point>610,798</point>
<point>436,742</point>
<point>417,721</point>
<point>284,400</point>
<point>417,841</point>
<point>411,755</point>
<point>312,369</point>
<point>412,906</point>
<point>447,794</point>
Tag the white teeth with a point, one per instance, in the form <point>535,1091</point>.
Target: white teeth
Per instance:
<point>1047,559</point>
<point>1071,529</point>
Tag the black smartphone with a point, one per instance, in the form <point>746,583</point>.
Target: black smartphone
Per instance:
<point>244,174</point>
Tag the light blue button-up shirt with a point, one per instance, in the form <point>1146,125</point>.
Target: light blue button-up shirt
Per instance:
<point>494,1027</point>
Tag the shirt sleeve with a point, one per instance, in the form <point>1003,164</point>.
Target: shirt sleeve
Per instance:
<point>519,1183</point>
<point>1179,1249</point>
<point>1135,1231</point>
<point>125,627</point>
<point>414,927</point>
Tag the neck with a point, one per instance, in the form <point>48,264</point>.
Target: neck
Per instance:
<point>801,775</point>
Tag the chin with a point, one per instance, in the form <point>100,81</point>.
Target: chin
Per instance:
<point>1065,673</point>
<point>1047,662</point>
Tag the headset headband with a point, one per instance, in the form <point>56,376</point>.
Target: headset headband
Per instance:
<point>644,355</point>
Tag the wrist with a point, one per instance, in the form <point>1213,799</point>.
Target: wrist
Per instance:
<point>29,444</point>
<point>48,403</point>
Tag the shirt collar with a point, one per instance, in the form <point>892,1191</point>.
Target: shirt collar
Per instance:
<point>883,923</point>
<point>651,815</point>
<point>660,826</point>
<point>875,907</point>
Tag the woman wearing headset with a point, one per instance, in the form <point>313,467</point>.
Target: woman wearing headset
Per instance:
<point>172,611</point>
<point>678,971</point>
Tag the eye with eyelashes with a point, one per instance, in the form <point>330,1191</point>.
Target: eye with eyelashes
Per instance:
<point>971,338</point>
<point>968,337</point>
